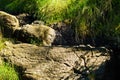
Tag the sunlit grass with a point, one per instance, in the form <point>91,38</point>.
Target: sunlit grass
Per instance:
<point>58,5</point>
<point>53,10</point>
<point>45,10</point>
<point>7,72</point>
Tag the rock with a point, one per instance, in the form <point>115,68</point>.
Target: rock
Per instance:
<point>24,19</point>
<point>8,23</point>
<point>38,22</point>
<point>59,40</point>
<point>56,63</point>
<point>65,34</point>
<point>36,32</point>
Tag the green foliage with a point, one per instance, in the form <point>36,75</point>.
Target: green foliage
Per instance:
<point>90,18</point>
<point>46,10</point>
<point>4,3</point>
<point>96,19</point>
<point>7,72</point>
<point>35,41</point>
<point>2,43</point>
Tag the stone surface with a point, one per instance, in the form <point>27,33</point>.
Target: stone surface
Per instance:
<point>8,23</point>
<point>36,32</point>
<point>64,34</point>
<point>56,63</point>
<point>24,19</point>
<point>9,26</point>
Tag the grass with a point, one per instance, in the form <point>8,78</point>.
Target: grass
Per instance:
<point>46,10</point>
<point>7,72</point>
<point>2,43</point>
<point>89,18</point>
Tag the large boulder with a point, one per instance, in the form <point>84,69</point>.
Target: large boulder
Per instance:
<point>36,32</point>
<point>8,23</point>
<point>56,63</point>
<point>9,26</point>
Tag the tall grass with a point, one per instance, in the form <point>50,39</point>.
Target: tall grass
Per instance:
<point>97,20</point>
<point>46,10</point>
<point>90,18</point>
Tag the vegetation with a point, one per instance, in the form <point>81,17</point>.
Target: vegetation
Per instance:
<point>2,43</point>
<point>7,72</point>
<point>35,41</point>
<point>91,19</point>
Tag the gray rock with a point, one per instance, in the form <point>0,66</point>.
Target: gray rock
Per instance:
<point>24,19</point>
<point>38,22</point>
<point>36,32</point>
<point>64,34</point>
<point>8,23</point>
<point>55,63</point>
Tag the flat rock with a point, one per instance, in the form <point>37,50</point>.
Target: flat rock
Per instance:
<point>55,63</point>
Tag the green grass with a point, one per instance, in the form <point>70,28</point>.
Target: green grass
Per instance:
<point>3,40</point>
<point>2,43</point>
<point>89,18</point>
<point>46,10</point>
<point>7,72</point>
